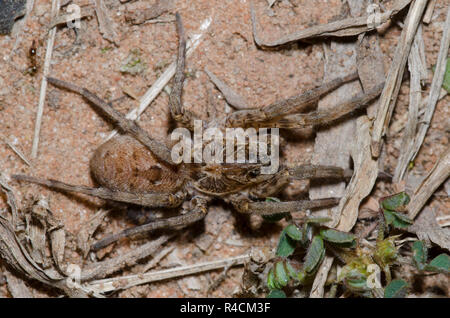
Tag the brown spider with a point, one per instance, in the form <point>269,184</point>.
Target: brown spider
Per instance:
<point>134,168</point>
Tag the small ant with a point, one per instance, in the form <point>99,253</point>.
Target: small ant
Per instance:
<point>32,70</point>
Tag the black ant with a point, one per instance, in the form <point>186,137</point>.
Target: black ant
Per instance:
<point>32,70</point>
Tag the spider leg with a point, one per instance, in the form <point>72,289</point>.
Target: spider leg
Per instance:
<point>232,98</point>
<point>268,208</point>
<point>126,125</point>
<point>324,117</point>
<point>144,199</point>
<point>197,213</point>
<point>181,115</point>
<point>294,104</point>
<point>302,172</point>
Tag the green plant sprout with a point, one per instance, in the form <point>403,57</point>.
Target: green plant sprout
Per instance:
<point>360,274</point>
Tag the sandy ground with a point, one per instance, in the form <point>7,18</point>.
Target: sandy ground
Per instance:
<point>72,130</point>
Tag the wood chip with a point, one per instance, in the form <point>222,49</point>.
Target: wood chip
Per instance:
<point>87,230</point>
<point>136,15</point>
<point>17,286</point>
<point>106,25</point>
<point>427,229</point>
<point>11,199</point>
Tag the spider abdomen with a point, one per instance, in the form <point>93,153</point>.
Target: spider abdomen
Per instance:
<point>124,164</point>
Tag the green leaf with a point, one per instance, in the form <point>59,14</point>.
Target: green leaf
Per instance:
<point>301,276</point>
<point>420,256</point>
<point>397,219</point>
<point>395,202</point>
<point>401,221</point>
<point>290,270</point>
<point>294,232</point>
<point>396,289</point>
<point>270,279</point>
<point>446,83</point>
<point>276,293</point>
<point>272,218</point>
<point>286,245</point>
<point>281,277</point>
<point>356,281</point>
<point>389,217</point>
<point>336,236</point>
<point>315,254</point>
<point>440,264</point>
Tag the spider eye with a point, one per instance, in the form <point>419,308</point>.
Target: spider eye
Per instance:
<point>253,173</point>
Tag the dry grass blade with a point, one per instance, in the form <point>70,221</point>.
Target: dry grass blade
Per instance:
<point>435,90</point>
<point>16,151</point>
<point>120,283</point>
<point>341,28</point>
<point>366,171</point>
<point>162,81</point>
<point>48,57</point>
<point>429,13</point>
<point>415,63</point>
<point>436,177</point>
<point>389,95</point>
<point>158,257</point>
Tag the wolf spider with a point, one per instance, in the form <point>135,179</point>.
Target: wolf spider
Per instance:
<point>134,168</point>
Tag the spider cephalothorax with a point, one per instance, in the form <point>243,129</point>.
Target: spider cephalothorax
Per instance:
<point>134,168</point>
